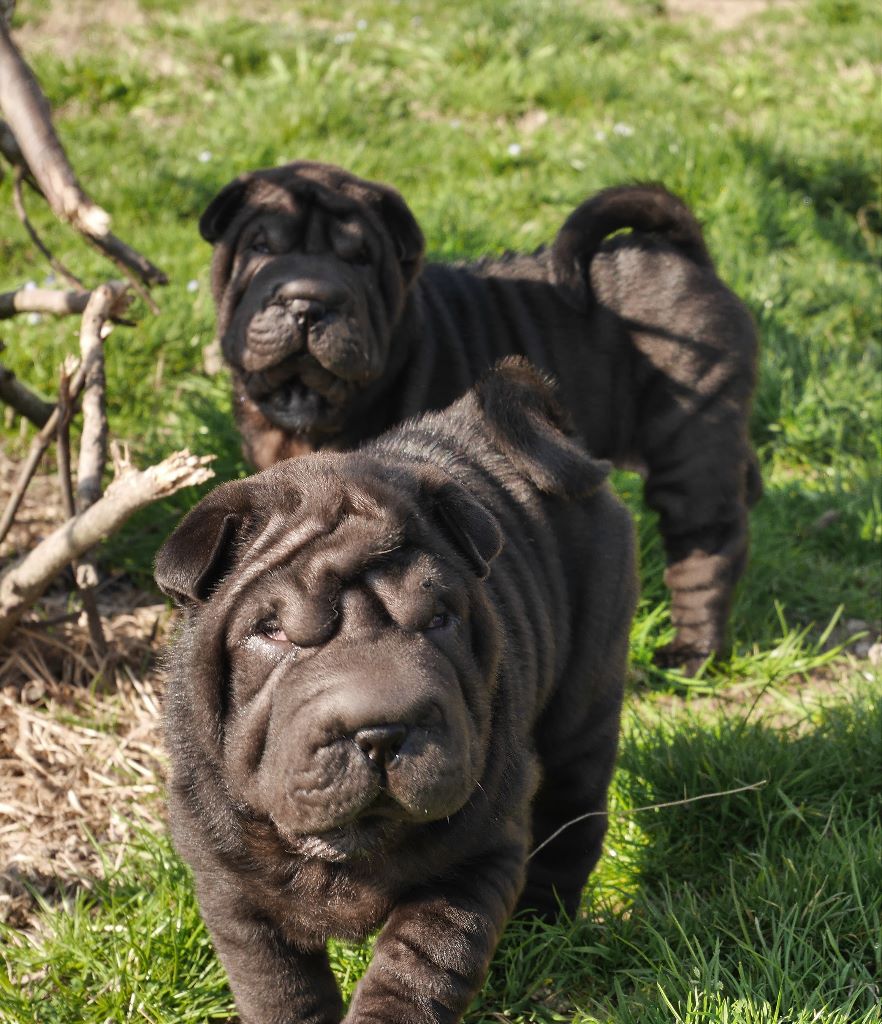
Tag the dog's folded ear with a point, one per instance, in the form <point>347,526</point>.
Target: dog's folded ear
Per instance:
<point>200,551</point>
<point>531,429</point>
<point>472,529</point>
<point>221,210</point>
<point>401,224</point>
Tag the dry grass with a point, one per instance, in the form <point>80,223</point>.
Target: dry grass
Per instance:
<point>80,751</point>
<point>79,765</point>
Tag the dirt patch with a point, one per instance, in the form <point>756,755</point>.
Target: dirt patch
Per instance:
<point>68,28</point>
<point>723,14</point>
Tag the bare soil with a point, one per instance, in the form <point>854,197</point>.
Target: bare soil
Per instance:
<point>723,14</point>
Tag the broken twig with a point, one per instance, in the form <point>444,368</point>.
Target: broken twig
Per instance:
<point>23,584</point>
<point>42,156</point>
<point>41,442</point>
<point>19,203</point>
<point>25,402</point>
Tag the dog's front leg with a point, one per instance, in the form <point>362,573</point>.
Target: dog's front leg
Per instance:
<point>433,953</point>
<point>272,981</point>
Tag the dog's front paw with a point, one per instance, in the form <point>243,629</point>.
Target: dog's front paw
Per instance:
<point>682,657</point>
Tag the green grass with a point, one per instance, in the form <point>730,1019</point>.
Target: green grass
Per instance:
<point>760,907</point>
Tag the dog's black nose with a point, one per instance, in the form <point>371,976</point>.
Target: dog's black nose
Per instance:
<point>308,311</point>
<point>381,743</point>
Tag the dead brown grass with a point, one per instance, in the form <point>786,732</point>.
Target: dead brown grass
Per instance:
<point>81,762</point>
<point>81,759</point>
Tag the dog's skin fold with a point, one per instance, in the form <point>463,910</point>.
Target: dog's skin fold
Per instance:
<point>401,669</point>
<point>335,330</point>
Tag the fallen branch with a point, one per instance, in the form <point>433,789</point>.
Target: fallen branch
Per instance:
<point>38,446</point>
<point>42,300</point>
<point>62,448</point>
<point>23,584</point>
<point>18,201</point>
<point>93,444</point>
<point>43,158</point>
<point>41,442</point>
<point>62,438</point>
<point>20,397</point>
<point>29,117</point>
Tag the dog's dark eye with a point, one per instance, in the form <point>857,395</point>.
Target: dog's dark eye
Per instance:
<point>270,629</point>
<point>260,246</point>
<point>361,256</point>
<point>439,621</point>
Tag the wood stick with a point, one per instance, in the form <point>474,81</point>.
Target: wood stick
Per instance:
<point>19,204</point>
<point>39,445</point>
<point>25,402</point>
<point>23,584</point>
<point>93,441</point>
<point>62,448</point>
<point>42,300</point>
<point>62,440</point>
<point>41,442</point>
<point>93,445</point>
<point>29,117</point>
<point>41,155</point>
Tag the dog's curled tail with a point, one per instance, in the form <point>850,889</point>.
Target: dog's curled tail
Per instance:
<point>647,208</point>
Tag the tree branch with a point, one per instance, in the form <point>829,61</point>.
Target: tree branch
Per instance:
<point>42,300</point>
<point>23,584</point>
<point>42,156</point>
<point>29,117</point>
<point>93,441</point>
<point>21,210</point>
<point>93,444</point>
<point>47,300</point>
<point>41,442</point>
<point>22,399</point>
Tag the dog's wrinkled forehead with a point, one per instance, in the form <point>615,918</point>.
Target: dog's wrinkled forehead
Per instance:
<point>295,208</point>
<point>350,519</point>
<point>306,555</point>
<point>339,528</point>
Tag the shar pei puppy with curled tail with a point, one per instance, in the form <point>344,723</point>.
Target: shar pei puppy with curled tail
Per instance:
<point>334,330</point>
<point>399,675</point>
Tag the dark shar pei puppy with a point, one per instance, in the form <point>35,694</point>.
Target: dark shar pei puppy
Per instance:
<point>334,331</point>
<point>400,671</point>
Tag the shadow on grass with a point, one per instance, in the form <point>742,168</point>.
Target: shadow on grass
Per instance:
<point>736,907</point>
<point>830,183</point>
<point>758,903</point>
<point>813,557</point>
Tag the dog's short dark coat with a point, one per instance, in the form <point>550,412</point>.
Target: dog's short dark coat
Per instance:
<point>401,669</point>
<point>334,331</point>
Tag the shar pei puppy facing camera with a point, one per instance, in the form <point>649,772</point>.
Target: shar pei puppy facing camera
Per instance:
<point>335,330</point>
<point>400,672</point>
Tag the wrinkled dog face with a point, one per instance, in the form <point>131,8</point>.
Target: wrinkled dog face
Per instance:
<point>310,270</point>
<point>358,648</point>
